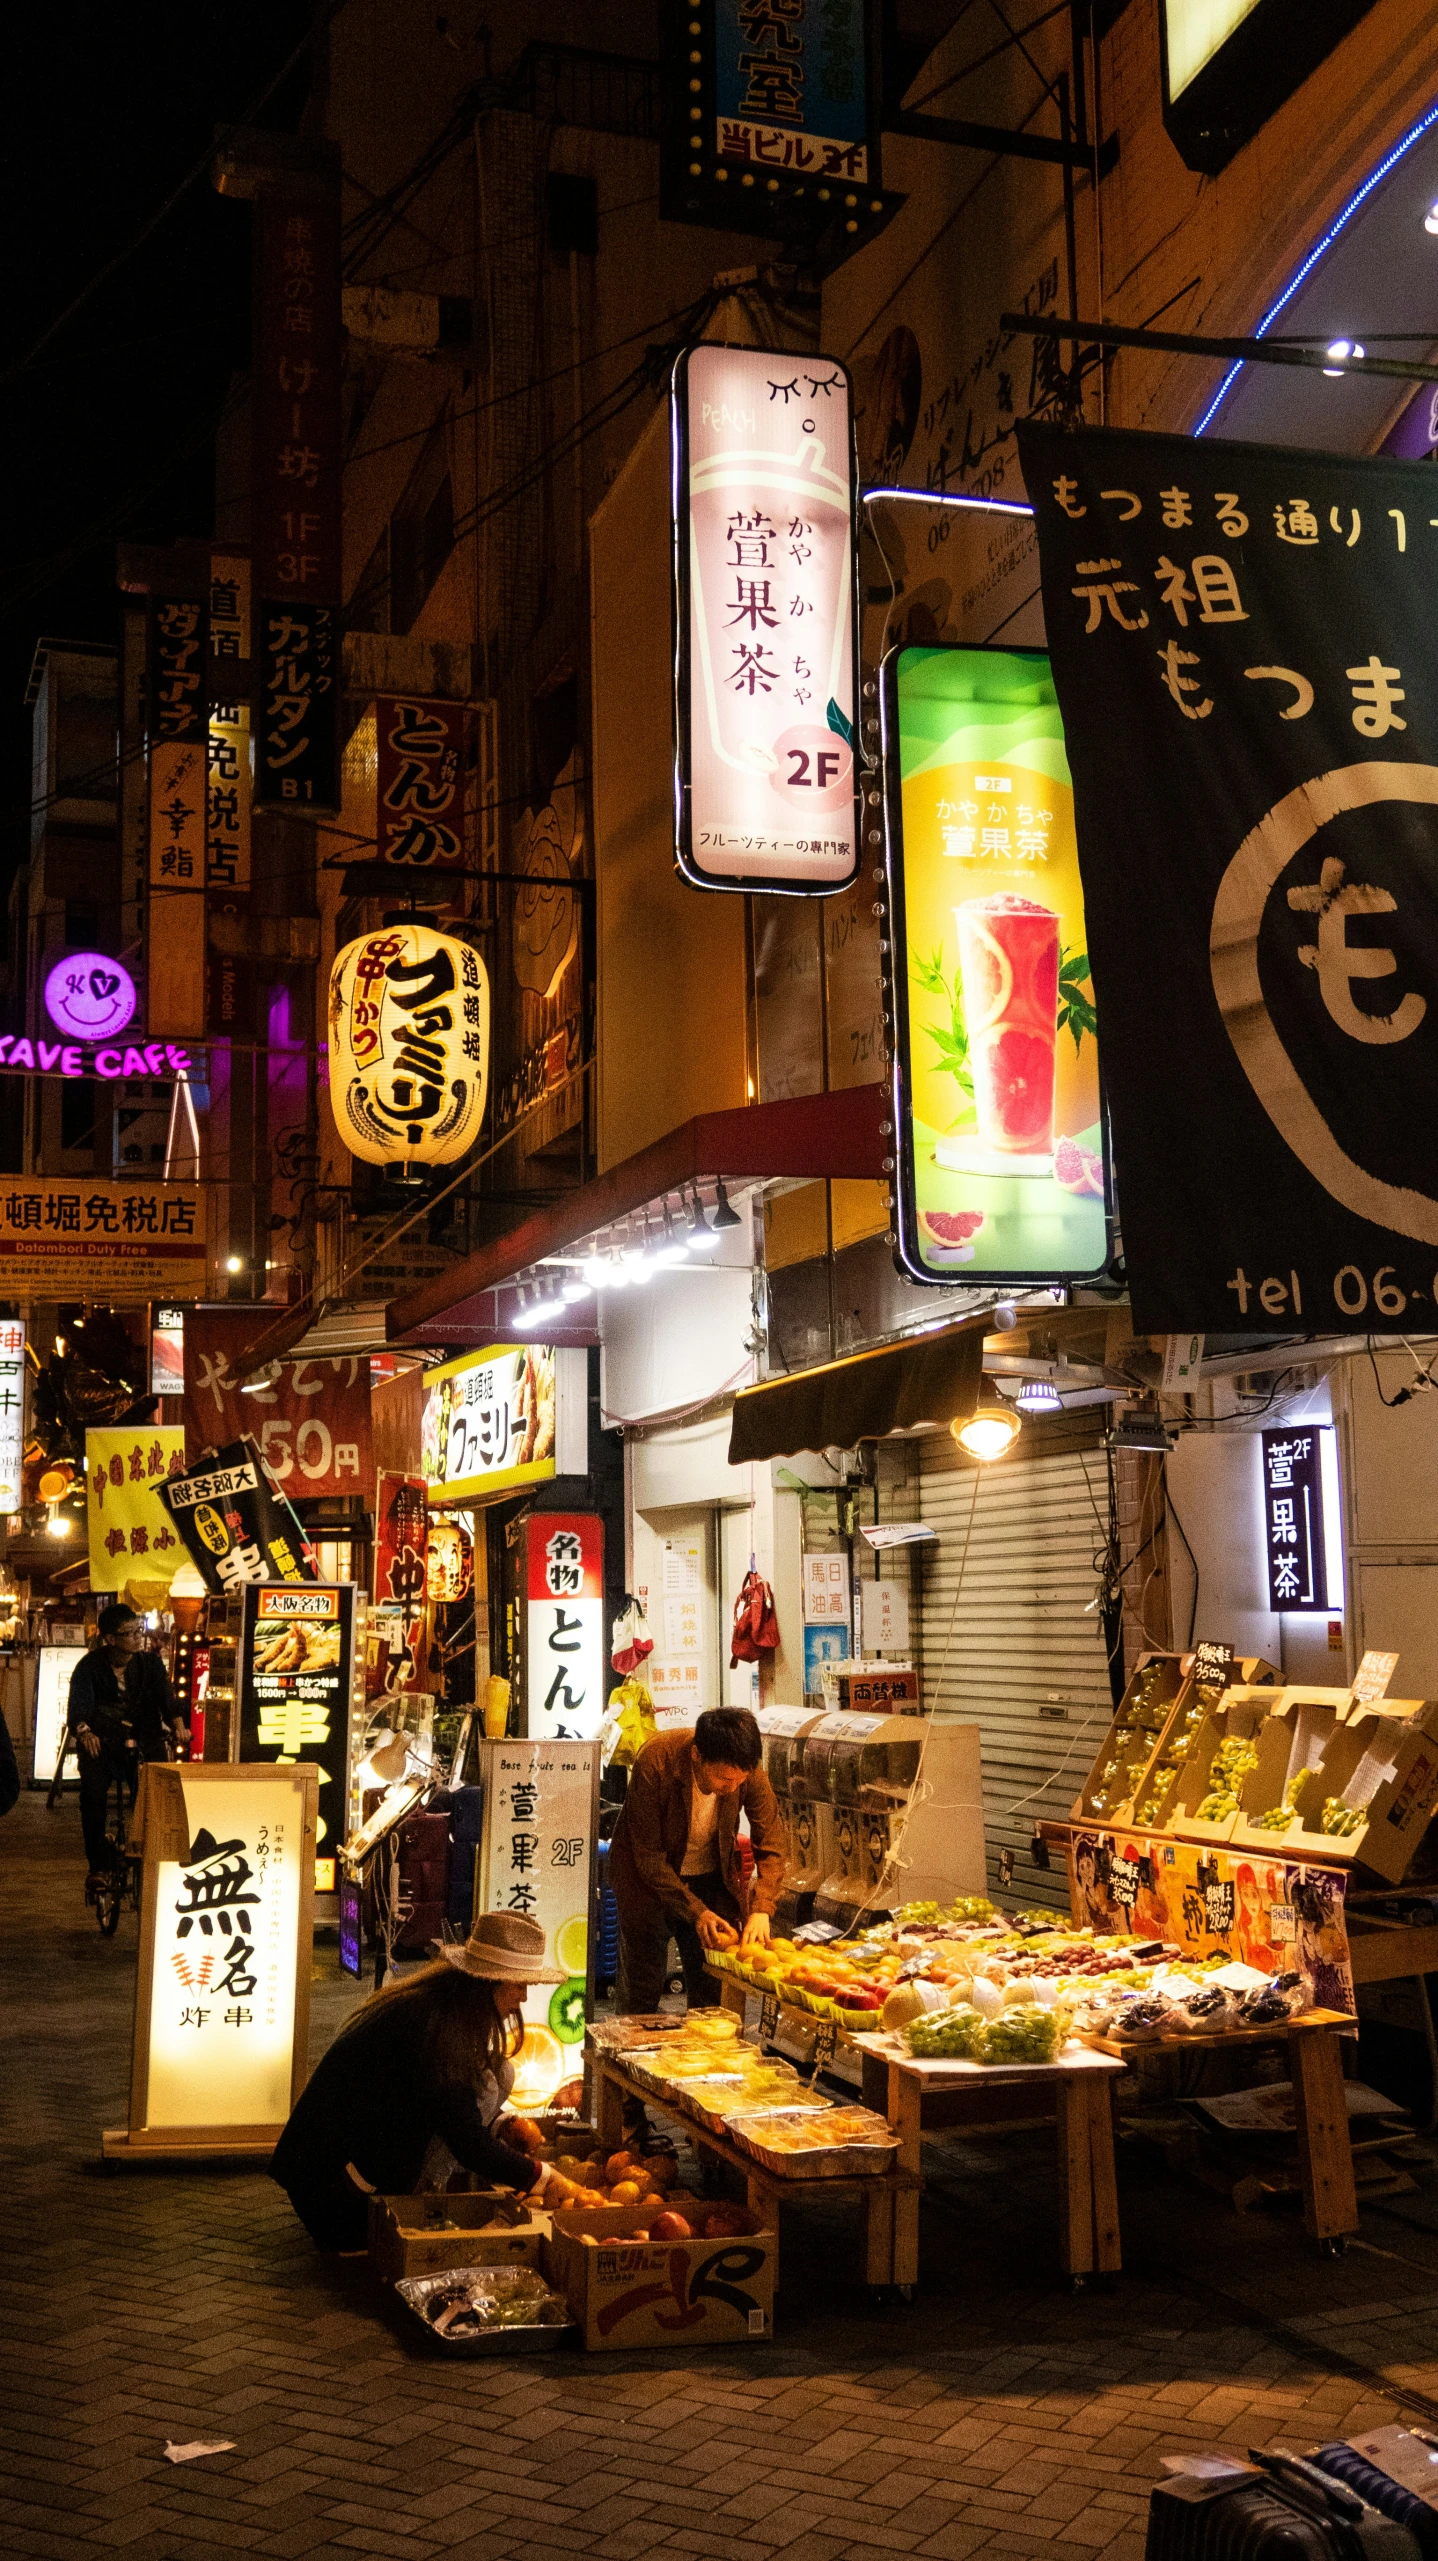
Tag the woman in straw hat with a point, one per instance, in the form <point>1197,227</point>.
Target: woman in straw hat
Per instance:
<point>427,2057</point>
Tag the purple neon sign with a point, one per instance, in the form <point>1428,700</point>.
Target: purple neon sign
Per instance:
<point>90,997</point>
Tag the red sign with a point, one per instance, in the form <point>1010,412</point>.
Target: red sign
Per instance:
<point>565,1669</point>
<point>312,1420</point>
<point>398,1653</point>
<point>419,785</point>
<point>297,560</point>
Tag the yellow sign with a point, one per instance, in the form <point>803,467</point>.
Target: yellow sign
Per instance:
<point>132,1538</point>
<point>123,1243</point>
<point>498,1419</point>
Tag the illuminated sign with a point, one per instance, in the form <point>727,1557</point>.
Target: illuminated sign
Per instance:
<point>998,1111</point>
<point>112,1063</point>
<point>536,1855</point>
<point>12,1411</point>
<point>1228,65</point>
<point>121,1242</point>
<point>408,1045</point>
<point>766,668</point>
<point>297,1679</point>
<point>565,1683</point>
<point>498,1419</point>
<point>89,997</point>
<point>1293,1519</point>
<point>52,1708</point>
<point>167,1352</point>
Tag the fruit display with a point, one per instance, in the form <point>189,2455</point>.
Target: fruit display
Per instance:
<point>465,2307</point>
<point>1024,2031</point>
<point>1227,1771</point>
<point>950,2035</point>
<point>1278,1817</point>
<point>1151,1803</point>
<point>625,2177</point>
<point>1134,1732</point>
<point>1339,1820</point>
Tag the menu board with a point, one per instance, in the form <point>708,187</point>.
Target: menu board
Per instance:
<point>297,1669</point>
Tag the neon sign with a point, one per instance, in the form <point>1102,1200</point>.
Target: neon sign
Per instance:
<point>112,1065</point>
<point>90,997</point>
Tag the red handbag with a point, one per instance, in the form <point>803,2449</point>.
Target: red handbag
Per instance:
<point>756,1629</point>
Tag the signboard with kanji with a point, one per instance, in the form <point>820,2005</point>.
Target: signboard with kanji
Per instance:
<point>310,1415</point>
<point>419,781</point>
<point>766,792</point>
<point>12,1410</point>
<point>237,1526</point>
<point>1293,1519</point>
<point>536,1857</point>
<point>298,364</point>
<point>498,1419</point>
<point>120,1242</point>
<point>132,1537</point>
<point>565,1670</point>
<point>297,1673</point>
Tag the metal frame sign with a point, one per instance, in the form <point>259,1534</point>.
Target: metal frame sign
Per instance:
<point>496,1420</point>
<point>297,1679</point>
<point>1001,1153</point>
<point>766,786</point>
<point>1293,1519</point>
<point>565,1683</point>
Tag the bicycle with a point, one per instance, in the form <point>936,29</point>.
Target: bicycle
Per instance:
<point>116,1888</point>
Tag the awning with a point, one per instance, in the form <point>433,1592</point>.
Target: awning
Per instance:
<point>933,1380</point>
<point>812,1137</point>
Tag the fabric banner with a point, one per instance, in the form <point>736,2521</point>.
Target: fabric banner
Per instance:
<point>398,1652</point>
<point>1242,640</point>
<point>312,1418</point>
<point>236,1526</point>
<point>133,1541</point>
<point>1269,1913</point>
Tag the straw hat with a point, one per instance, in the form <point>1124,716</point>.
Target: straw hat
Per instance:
<point>504,1947</point>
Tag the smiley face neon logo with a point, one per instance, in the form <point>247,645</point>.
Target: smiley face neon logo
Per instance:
<point>90,996</point>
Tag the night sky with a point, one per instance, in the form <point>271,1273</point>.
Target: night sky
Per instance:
<point>109,425</point>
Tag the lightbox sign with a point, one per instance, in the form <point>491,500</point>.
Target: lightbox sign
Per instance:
<point>536,1855</point>
<point>89,997</point>
<point>297,1676</point>
<point>791,88</point>
<point>766,660</point>
<point>565,1683</point>
<point>1001,1158</point>
<point>496,1420</point>
<point>1293,1520</point>
<point>12,1411</point>
<point>1228,65</point>
<point>113,1062</point>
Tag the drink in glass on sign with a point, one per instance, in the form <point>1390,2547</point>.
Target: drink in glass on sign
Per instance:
<point>1009,961</point>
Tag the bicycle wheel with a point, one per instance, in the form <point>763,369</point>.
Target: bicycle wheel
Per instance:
<point>107,1906</point>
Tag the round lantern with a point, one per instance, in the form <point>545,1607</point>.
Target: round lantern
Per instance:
<point>408,1045</point>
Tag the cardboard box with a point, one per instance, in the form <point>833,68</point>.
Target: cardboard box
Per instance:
<point>659,2294</point>
<point>1295,1736</point>
<point>1240,1715</point>
<point>408,2234</point>
<point>1132,1739</point>
<point>1387,1763</point>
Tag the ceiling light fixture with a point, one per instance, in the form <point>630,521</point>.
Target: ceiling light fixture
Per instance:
<point>1339,352</point>
<point>1141,1428</point>
<point>701,1234</point>
<point>1430,220</point>
<point>1039,1396</point>
<point>988,1432</point>
<point>724,1216</point>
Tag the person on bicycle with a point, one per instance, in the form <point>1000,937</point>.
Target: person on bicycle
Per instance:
<point>121,1712</point>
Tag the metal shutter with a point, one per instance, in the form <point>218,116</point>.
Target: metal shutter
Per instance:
<point>1025,1659</point>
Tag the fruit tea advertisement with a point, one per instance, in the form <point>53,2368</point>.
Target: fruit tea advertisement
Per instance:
<point>1001,1171</point>
<point>296,1674</point>
<point>1273,1914</point>
<point>537,1857</point>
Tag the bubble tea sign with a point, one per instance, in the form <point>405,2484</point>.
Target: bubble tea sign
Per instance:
<point>1001,1151</point>
<point>766,668</point>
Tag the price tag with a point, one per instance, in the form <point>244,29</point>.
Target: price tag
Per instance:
<point>1213,1664</point>
<point>768,2016</point>
<point>1372,1678</point>
<point>825,2039</point>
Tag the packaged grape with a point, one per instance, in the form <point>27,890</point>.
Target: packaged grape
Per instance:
<point>1206,2012</point>
<point>1027,2034</point>
<point>1144,2021</point>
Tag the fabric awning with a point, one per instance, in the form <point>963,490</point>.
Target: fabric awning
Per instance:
<point>933,1380</point>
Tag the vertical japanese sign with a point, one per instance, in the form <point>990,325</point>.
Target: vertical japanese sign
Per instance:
<point>1242,644</point>
<point>237,1527</point>
<point>1293,1520</point>
<point>826,1591</point>
<point>419,781</point>
<point>536,1857</point>
<point>224,1959</point>
<point>12,1410</point>
<point>401,1526</point>
<point>778,98</point>
<point>297,502</point>
<point>766,664</point>
<point>297,1669</point>
<point>564,1658</point>
<point>231,780</point>
<point>996,1073</point>
<point>132,1537</point>
<point>177,743</point>
<point>311,1417</point>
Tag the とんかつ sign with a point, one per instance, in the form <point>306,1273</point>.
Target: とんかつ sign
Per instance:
<point>766,667</point>
<point>564,1667</point>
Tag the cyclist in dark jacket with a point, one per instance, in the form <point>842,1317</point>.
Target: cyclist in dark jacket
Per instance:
<point>122,1712</point>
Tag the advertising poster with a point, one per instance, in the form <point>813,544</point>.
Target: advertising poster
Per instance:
<point>296,1674</point>
<point>1243,659</point>
<point>132,1537</point>
<point>565,1664</point>
<point>1001,1162</point>
<point>536,1857</point>
<point>499,1419</point>
<point>766,789</point>
<point>311,1419</point>
<point>1272,1914</point>
<point>237,1528</point>
<point>167,1352</point>
<point>226,1949</point>
<point>119,1242</point>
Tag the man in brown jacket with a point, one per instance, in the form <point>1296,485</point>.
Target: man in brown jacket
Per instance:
<point>674,1855</point>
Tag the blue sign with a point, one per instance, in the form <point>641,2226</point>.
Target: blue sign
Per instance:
<point>822,1645</point>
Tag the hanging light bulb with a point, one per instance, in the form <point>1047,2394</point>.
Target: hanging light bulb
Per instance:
<point>672,1249</point>
<point>987,1433</point>
<point>700,1234</point>
<point>724,1216</point>
<point>1039,1396</point>
<point>574,1288</point>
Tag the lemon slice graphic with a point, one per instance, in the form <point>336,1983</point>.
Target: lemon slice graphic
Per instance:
<point>571,1944</point>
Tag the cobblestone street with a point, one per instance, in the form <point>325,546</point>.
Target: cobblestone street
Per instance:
<point>997,2414</point>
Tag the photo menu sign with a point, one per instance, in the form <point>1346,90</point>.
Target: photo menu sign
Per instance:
<point>766,791</point>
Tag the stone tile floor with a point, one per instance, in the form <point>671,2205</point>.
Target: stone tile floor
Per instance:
<point>997,2414</point>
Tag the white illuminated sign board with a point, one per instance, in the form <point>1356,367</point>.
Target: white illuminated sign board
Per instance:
<point>12,1411</point>
<point>225,1952</point>
<point>1195,30</point>
<point>565,1667</point>
<point>536,1857</point>
<point>52,1702</point>
<point>496,1420</point>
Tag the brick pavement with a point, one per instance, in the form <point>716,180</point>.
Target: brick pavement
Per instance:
<point>998,2414</point>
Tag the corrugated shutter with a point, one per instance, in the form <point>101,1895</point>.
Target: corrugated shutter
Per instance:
<point>1022,1655</point>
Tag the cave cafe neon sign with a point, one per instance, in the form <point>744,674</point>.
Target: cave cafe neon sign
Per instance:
<point>113,1065</point>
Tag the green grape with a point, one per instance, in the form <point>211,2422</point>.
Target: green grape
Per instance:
<point>946,2034</point>
<point>1025,2034</point>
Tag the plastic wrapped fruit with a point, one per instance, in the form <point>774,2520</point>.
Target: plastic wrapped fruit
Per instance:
<point>1027,2034</point>
<point>1143,2021</point>
<point>1205,2013</point>
<point>947,2034</point>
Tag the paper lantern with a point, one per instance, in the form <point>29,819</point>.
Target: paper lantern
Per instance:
<point>450,1559</point>
<point>409,1045</point>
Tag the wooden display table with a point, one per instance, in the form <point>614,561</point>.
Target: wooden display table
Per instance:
<point>881,2193</point>
<point>920,2098</point>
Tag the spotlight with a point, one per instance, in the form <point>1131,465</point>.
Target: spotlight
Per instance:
<point>1339,352</point>
<point>701,1234</point>
<point>1430,220</point>
<point>233,1263</point>
<point>724,1216</point>
<point>987,1433</point>
<point>265,1378</point>
<point>1039,1396</point>
<point>1143,1428</point>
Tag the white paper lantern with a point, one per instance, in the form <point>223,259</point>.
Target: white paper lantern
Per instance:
<point>408,1045</point>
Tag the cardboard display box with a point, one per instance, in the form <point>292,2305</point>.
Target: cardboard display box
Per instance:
<point>1154,1797</point>
<point>1241,1714</point>
<point>1385,1762</point>
<point>418,2235</point>
<point>1134,1736</point>
<point>1295,1735</point>
<point>659,2294</point>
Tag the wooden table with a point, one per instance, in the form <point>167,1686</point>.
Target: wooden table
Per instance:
<point>920,2098</point>
<point>882,2194</point>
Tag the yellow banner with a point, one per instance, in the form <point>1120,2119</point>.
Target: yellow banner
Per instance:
<point>133,1541</point>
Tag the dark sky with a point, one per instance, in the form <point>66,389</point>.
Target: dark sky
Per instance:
<point>108,426</point>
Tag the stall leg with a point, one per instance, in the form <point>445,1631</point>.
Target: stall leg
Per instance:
<point>879,2232</point>
<point>1325,2148</point>
<point>1076,2215</point>
<point>611,2112</point>
<point>904,2112</point>
<point>763,2203</point>
<point>1108,2253</point>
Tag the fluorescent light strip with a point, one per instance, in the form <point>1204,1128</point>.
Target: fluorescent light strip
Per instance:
<point>941,498</point>
<point>1320,250</point>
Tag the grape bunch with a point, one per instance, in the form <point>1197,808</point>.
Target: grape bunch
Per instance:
<point>948,2034</point>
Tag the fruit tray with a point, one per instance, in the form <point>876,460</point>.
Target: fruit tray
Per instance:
<point>619,2036</point>
<point>490,2287</point>
<point>781,2140</point>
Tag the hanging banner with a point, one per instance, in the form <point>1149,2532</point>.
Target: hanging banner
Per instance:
<point>1269,1913</point>
<point>1001,1157</point>
<point>401,1533</point>
<point>296,1676</point>
<point>119,1242</point>
<point>311,1418</point>
<point>766,667</point>
<point>1242,644</point>
<point>12,1411</point>
<point>236,1527</point>
<point>565,1666</point>
<point>419,781</point>
<point>297,501</point>
<point>132,1538</point>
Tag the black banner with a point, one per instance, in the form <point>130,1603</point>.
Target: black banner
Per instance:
<point>1243,643</point>
<point>236,1525</point>
<point>297,752</point>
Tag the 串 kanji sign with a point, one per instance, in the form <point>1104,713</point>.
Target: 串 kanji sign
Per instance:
<point>132,1537</point>
<point>1241,639</point>
<point>564,1683</point>
<point>297,1673</point>
<point>123,1242</point>
<point>1293,1519</point>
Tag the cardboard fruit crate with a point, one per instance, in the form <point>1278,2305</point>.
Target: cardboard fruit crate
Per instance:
<point>1134,1735</point>
<point>1296,1733</point>
<point>625,2293</point>
<point>418,2235</point>
<point>1154,1797</point>
<point>1241,1714</point>
<point>1384,1760</point>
